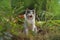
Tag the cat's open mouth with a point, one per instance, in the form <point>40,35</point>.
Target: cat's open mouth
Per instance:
<point>30,16</point>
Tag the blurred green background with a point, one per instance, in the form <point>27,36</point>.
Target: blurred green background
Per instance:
<point>47,19</point>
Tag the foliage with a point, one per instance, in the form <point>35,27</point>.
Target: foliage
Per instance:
<point>11,26</point>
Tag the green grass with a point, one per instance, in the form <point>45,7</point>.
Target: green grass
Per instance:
<point>51,31</point>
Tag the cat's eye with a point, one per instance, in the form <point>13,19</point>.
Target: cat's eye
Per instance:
<point>28,11</point>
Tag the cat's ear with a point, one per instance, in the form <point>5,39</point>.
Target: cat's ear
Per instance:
<point>26,10</point>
